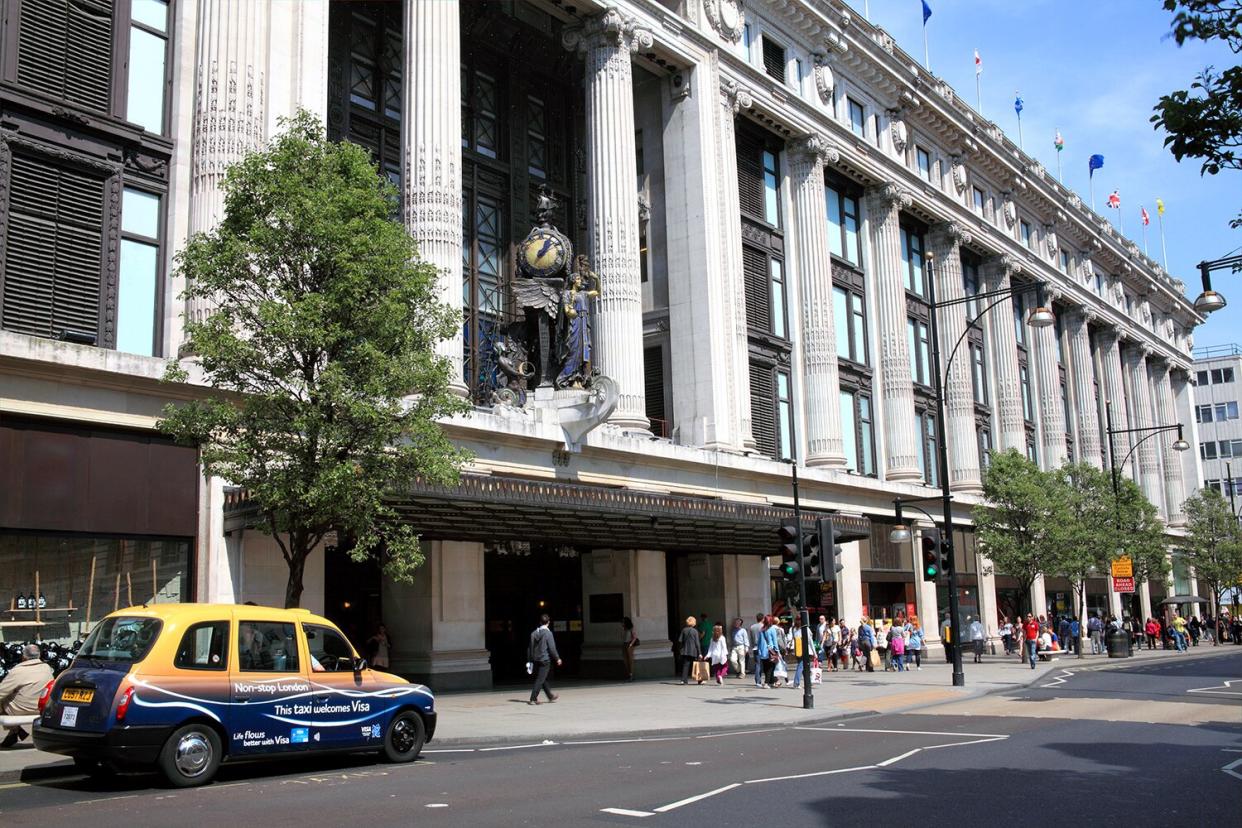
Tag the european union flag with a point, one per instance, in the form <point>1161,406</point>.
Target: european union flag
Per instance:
<point>926,12</point>
<point>1094,163</point>
<point>1017,105</point>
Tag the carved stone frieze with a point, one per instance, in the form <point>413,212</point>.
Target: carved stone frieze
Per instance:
<point>726,17</point>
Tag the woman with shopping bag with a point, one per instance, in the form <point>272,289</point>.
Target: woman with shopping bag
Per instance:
<point>691,653</point>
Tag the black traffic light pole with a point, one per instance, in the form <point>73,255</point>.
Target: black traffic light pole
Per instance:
<point>808,697</point>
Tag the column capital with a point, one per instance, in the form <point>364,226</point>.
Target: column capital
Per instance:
<point>888,194</point>
<point>953,231</point>
<point>609,27</point>
<point>735,96</point>
<point>1003,263</point>
<point>813,150</point>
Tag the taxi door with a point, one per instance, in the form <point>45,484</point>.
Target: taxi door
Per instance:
<point>271,698</point>
<point>350,715</point>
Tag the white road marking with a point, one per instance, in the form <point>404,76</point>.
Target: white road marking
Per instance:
<point>664,809</point>
<point>622,741</point>
<point>1065,674</point>
<point>903,732</point>
<point>450,750</point>
<point>731,733</point>
<point>1225,689</point>
<point>896,759</point>
<point>809,775</point>
<point>516,747</point>
<point>626,812</point>
<point>1229,769</point>
<point>436,805</point>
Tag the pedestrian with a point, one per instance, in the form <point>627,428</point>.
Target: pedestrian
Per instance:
<point>718,654</point>
<point>881,645</point>
<point>691,648</point>
<point>1030,631</point>
<point>540,654</point>
<point>977,636</point>
<point>629,640</point>
<point>1063,632</point>
<point>1179,631</point>
<point>1194,629</point>
<point>866,643</point>
<point>1151,629</point>
<point>741,647</point>
<point>821,630</point>
<point>378,647</point>
<point>897,649</point>
<point>768,651</point>
<point>756,632</point>
<point>799,643</point>
<point>1075,631</point>
<point>20,690</point>
<point>917,642</point>
<point>946,637</point>
<point>1095,628</point>
<point>1006,634</point>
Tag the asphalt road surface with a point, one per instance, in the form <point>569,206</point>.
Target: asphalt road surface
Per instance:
<point>1149,745</point>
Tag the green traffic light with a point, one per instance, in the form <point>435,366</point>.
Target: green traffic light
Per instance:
<point>932,571</point>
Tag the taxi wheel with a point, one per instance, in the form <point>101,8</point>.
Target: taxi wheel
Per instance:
<point>190,756</point>
<point>404,739</point>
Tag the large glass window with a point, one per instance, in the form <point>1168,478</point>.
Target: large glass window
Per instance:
<point>843,236</point>
<point>970,286</point>
<point>329,652</point>
<point>776,275</point>
<point>784,414</point>
<point>923,158</point>
<point>912,261</point>
<point>849,317</point>
<point>267,647</point>
<point>148,48</point>
<point>484,259</point>
<point>979,373</point>
<point>139,273</point>
<point>979,200</point>
<point>537,139</point>
<point>1028,406</point>
<point>849,433</point>
<point>920,351</point>
<point>1024,232</point>
<point>928,457</point>
<point>771,189</point>
<point>857,431</point>
<point>481,108</point>
<point>858,118</point>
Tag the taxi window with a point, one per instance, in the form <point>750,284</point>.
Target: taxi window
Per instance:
<point>329,651</point>
<point>267,647</point>
<point>203,647</point>
<point>121,639</point>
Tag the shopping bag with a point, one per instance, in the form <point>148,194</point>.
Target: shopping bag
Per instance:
<point>700,671</point>
<point>780,670</point>
<point>875,658</point>
<point>817,675</point>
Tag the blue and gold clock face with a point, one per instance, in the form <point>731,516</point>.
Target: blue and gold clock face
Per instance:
<point>544,252</point>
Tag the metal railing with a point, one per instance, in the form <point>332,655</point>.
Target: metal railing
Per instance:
<point>1214,351</point>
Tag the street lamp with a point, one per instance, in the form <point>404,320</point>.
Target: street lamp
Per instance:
<point>1209,300</point>
<point>1039,317</point>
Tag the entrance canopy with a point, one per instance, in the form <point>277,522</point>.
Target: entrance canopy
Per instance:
<point>489,508</point>
<point>1184,599</point>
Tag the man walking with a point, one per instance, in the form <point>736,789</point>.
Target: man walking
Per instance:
<point>756,630</point>
<point>20,690</point>
<point>977,636</point>
<point>541,654</point>
<point>1095,627</point>
<point>1030,630</point>
<point>740,647</point>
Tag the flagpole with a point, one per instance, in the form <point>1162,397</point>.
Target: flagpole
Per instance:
<point>1145,253</point>
<point>1121,221</point>
<point>978,93</point>
<point>1163,250</point>
<point>1020,146</point>
<point>1091,186</point>
<point>926,53</point>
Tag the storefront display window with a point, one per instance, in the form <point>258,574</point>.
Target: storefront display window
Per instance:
<point>56,587</point>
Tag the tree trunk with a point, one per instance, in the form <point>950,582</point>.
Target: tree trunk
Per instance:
<point>297,566</point>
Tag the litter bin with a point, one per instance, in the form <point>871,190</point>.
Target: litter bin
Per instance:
<point>1118,643</point>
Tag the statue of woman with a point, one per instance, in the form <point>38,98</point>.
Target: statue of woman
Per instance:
<point>582,287</point>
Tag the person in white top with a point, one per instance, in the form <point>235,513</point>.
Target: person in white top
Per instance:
<point>718,654</point>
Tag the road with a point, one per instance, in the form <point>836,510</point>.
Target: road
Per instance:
<point>1144,745</point>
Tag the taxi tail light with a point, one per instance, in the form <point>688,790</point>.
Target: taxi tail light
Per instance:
<point>46,695</point>
<point>122,705</point>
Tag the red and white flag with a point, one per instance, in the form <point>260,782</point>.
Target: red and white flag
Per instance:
<point>1114,200</point>
<point>1146,217</point>
<point>978,63</point>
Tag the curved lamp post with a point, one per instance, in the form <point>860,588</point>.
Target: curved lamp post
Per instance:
<point>1209,300</point>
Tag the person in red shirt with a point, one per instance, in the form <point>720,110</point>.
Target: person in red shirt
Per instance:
<point>1031,628</point>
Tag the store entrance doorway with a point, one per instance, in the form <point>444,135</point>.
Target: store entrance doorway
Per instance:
<point>522,582</point>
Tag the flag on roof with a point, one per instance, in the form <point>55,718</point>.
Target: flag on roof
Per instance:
<point>1160,206</point>
<point>1017,104</point>
<point>1058,141</point>
<point>978,63</point>
<point>1114,200</point>
<point>926,12</point>
<point>1146,216</point>
<point>1093,164</point>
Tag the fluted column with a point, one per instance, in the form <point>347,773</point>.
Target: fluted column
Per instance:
<point>431,152</point>
<point>229,107</point>
<point>819,340</point>
<point>734,99</point>
<point>1051,409</point>
<point>1087,414</point>
<point>1007,397</point>
<point>1171,461</point>
<point>1141,414</point>
<point>959,397</point>
<point>884,204</point>
<point>606,41</point>
<point>1113,383</point>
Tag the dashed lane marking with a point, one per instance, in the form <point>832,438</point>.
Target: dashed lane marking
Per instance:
<point>1058,680</point>
<point>626,812</point>
<point>1225,689</point>
<point>690,800</point>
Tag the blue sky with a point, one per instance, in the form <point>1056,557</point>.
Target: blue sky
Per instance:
<point>1094,69</point>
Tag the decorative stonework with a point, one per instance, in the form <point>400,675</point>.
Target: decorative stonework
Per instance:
<point>825,82</point>
<point>958,173</point>
<point>726,17</point>
<point>890,194</point>
<point>898,132</point>
<point>609,28</point>
<point>735,96</point>
<point>1008,209</point>
<point>815,149</point>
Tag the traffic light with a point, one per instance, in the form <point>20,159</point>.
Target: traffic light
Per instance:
<point>789,551</point>
<point>830,542</point>
<point>933,558</point>
<point>810,557</point>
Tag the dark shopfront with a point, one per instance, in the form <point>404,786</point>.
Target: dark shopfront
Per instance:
<point>91,519</point>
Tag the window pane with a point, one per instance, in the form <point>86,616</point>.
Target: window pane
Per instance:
<point>922,448</point>
<point>841,321</point>
<point>860,333</point>
<point>834,221</point>
<point>203,647</point>
<point>778,298</point>
<point>853,248</point>
<point>866,436</point>
<point>267,646</point>
<point>135,312</point>
<point>153,13</point>
<point>911,343</point>
<point>140,213</point>
<point>849,432</point>
<point>771,208</point>
<point>329,653</point>
<point>145,101</point>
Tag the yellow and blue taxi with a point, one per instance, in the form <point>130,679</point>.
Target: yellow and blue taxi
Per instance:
<point>184,687</point>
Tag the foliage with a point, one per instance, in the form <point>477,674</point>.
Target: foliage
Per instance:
<point>325,388</point>
<point>1205,122</point>
<point>1013,526</point>
<point>1213,544</point>
<point>1082,537</point>
<point>1140,534</point>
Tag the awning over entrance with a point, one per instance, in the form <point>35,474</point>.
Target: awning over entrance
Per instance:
<point>490,508</point>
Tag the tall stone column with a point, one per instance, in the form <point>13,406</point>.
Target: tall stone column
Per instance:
<point>1052,423</point>
<point>1083,368</point>
<point>959,397</point>
<point>884,204</point>
<point>819,339</point>
<point>229,107</point>
<point>431,152</point>
<point>606,40</point>
<point>1171,461</point>
<point>1114,391</point>
<point>1007,390</point>
<point>1142,412</point>
<point>733,99</point>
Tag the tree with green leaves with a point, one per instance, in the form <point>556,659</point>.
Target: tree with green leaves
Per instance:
<point>1213,544</point>
<point>1014,523</point>
<point>1140,534</point>
<point>324,386</point>
<point>1205,121</point>
<point>1082,537</point>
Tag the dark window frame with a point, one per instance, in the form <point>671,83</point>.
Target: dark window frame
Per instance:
<point>223,666</point>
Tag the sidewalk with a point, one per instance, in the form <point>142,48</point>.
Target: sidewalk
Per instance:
<point>621,710</point>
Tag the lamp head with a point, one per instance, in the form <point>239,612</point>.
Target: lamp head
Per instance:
<point>1209,300</point>
<point>900,534</point>
<point>1041,315</point>
<point>1180,443</point>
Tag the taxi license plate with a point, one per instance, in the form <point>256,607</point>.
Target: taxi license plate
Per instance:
<point>79,695</point>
